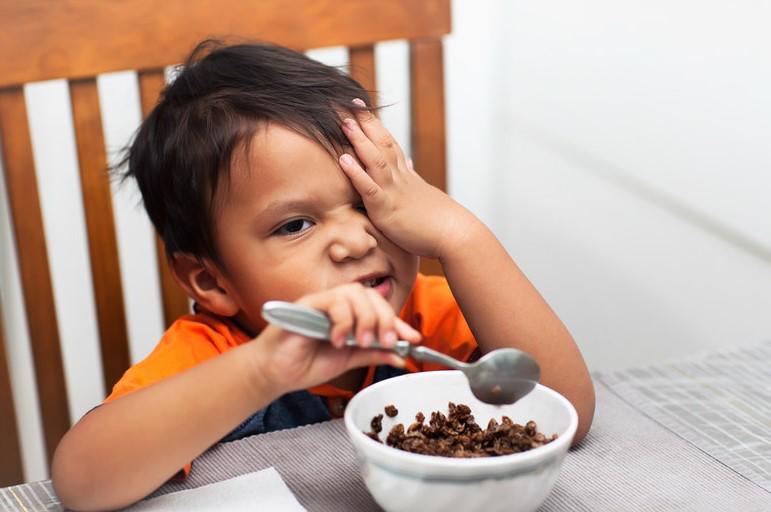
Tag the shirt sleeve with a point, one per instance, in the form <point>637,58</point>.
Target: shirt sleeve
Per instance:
<point>432,310</point>
<point>189,341</point>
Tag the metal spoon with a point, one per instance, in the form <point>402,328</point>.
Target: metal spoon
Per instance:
<point>501,377</point>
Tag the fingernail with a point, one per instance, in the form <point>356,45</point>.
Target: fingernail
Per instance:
<point>399,362</point>
<point>367,338</point>
<point>359,102</point>
<point>346,159</point>
<point>349,123</point>
<point>389,337</point>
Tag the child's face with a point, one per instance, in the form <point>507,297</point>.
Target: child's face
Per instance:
<point>290,223</point>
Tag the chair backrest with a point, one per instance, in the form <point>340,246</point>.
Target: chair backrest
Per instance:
<point>45,40</point>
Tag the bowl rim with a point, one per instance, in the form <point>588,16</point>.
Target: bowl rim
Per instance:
<point>387,453</point>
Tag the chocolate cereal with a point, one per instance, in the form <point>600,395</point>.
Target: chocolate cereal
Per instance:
<point>458,435</point>
<point>377,423</point>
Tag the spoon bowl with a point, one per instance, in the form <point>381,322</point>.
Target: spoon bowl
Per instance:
<point>503,376</point>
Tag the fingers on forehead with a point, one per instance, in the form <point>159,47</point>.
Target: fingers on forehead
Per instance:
<point>360,135</point>
<point>364,114</point>
<point>373,128</point>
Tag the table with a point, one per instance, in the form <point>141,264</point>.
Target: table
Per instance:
<point>688,435</point>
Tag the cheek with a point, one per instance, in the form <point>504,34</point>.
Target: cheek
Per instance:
<point>287,286</point>
<point>405,263</point>
<point>409,263</point>
<point>406,271</point>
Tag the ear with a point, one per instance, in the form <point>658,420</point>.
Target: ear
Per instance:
<point>203,283</point>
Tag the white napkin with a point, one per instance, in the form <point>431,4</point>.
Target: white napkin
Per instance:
<point>263,490</point>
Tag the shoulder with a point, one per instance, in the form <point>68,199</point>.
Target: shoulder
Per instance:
<point>189,341</point>
<point>203,328</point>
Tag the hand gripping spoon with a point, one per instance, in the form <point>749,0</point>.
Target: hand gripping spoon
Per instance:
<point>501,377</point>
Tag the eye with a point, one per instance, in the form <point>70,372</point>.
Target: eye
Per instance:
<point>293,227</point>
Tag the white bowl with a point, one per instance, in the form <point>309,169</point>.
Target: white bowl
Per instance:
<point>399,480</point>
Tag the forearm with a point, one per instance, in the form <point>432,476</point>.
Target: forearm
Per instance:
<point>123,450</point>
<point>503,309</point>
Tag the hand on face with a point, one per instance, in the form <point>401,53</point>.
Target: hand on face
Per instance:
<point>413,214</point>
<point>290,361</point>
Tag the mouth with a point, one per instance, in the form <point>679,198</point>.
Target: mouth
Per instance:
<point>373,282</point>
<point>382,283</point>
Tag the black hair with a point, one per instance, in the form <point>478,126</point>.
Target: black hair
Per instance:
<point>219,98</point>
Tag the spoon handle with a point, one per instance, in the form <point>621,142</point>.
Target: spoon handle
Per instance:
<point>433,356</point>
<point>314,324</point>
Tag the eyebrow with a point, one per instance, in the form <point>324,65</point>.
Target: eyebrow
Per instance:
<point>279,208</point>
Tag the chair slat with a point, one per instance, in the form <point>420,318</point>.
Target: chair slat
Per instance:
<point>429,151</point>
<point>33,266</point>
<point>362,68</point>
<point>175,301</point>
<point>11,469</point>
<point>103,247</point>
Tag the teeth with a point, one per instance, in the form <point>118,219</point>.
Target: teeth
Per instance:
<point>372,282</point>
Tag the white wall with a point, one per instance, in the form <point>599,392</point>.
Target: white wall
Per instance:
<point>616,148</point>
<point>619,151</point>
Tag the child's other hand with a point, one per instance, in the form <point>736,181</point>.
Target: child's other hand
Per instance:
<point>412,213</point>
<point>289,362</point>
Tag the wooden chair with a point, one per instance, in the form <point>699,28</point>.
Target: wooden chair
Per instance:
<point>79,39</point>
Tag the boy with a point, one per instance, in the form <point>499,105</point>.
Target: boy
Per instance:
<point>269,178</point>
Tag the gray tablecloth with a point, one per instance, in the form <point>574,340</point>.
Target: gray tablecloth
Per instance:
<point>694,435</point>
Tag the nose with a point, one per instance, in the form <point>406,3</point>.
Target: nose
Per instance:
<point>351,240</point>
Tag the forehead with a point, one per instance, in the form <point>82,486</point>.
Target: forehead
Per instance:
<point>281,163</point>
